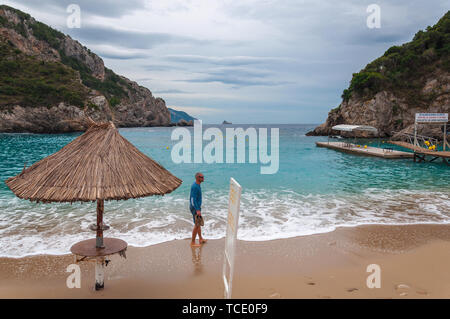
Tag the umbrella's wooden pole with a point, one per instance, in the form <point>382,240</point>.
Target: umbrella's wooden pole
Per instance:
<point>99,239</point>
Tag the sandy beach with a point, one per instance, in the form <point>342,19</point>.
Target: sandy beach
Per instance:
<point>414,261</point>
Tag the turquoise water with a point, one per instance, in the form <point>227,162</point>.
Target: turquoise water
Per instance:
<point>315,190</point>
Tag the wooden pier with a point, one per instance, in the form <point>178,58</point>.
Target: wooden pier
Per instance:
<point>420,153</point>
<point>388,153</point>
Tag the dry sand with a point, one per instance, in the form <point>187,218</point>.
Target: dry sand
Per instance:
<point>414,261</point>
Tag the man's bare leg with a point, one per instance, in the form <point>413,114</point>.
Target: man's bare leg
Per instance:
<point>201,240</point>
<point>194,235</point>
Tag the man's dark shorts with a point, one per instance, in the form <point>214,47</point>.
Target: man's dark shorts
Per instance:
<point>194,213</point>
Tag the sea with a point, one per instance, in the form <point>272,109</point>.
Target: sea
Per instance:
<point>314,191</point>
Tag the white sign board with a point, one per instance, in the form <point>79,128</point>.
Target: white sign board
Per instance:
<point>230,238</point>
<point>431,117</point>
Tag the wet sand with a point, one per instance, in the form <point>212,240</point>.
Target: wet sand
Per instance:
<point>414,261</point>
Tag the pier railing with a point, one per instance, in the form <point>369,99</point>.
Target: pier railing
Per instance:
<point>422,141</point>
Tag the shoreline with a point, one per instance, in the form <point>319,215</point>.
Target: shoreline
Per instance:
<point>157,126</point>
<point>81,131</point>
<point>413,258</point>
<point>336,228</point>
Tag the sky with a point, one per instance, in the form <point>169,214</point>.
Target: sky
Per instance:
<point>244,61</point>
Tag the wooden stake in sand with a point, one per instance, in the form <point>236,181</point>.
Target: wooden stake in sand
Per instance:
<point>100,273</point>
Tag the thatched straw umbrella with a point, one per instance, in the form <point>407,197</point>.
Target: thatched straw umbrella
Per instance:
<point>96,166</point>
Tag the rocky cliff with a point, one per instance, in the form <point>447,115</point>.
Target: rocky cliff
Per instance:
<point>47,79</point>
<point>407,79</point>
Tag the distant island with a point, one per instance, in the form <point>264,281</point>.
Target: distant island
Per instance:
<point>47,79</point>
<point>407,79</point>
<point>226,122</point>
<point>180,118</point>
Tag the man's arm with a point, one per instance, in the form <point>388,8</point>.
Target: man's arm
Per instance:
<point>196,201</point>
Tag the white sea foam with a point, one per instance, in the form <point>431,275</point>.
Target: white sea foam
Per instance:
<point>29,229</point>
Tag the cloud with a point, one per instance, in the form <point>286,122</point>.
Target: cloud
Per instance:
<point>161,67</point>
<point>197,110</point>
<point>236,82</point>
<point>238,77</point>
<point>171,91</point>
<point>225,61</point>
<point>109,52</point>
<point>277,52</point>
<point>377,36</point>
<point>146,79</point>
<point>119,56</point>
<point>125,38</point>
<point>104,8</point>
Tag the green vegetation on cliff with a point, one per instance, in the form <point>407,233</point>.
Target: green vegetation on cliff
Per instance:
<point>20,27</point>
<point>43,32</point>
<point>404,68</point>
<point>31,85</point>
<point>112,86</point>
<point>27,81</point>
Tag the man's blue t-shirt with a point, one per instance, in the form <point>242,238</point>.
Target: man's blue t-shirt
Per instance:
<point>195,198</point>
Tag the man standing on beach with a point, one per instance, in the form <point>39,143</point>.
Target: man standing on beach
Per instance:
<point>195,205</point>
